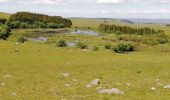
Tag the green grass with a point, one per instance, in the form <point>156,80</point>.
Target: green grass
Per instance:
<point>37,70</point>
<point>4,15</point>
<point>94,23</point>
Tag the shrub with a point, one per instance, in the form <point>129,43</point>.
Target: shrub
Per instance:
<point>61,43</point>
<point>5,32</point>
<point>22,40</point>
<point>52,25</point>
<point>123,47</point>
<point>107,46</point>
<point>163,40</point>
<point>15,25</point>
<point>40,25</point>
<point>61,26</point>
<point>2,20</point>
<point>95,48</point>
<point>81,45</point>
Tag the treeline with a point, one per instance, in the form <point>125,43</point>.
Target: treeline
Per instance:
<point>21,20</point>
<point>106,28</point>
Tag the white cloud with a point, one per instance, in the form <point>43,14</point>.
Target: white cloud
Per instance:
<point>110,1</point>
<point>46,1</point>
<point>95,1</point>
<point>4,0</point>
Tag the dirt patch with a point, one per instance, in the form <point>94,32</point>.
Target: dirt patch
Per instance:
<point>165,50</point>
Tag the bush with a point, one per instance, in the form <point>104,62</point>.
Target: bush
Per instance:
<point>163,40</point>
<point>61,43</point>
<point>123,47</point>
<point>40,25</point>
<point>52,25</point>
<point>107,46</point>
<point>81,45</point>
<point>5,32</point>
<point>22,40</point>
<point>61,26</point>
<point>95,48</point>
<point>2,20</point>
<point>15,24</point>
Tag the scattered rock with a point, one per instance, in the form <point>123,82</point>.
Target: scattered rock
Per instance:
<point>7,76</point>
<point>66,74</point>
<point>2,84</point>
<point>67,85</point>
<point>158,80</point>
<point>167,87</point>
<point>88,86</point>
<point>95,82</point>
<point>14,94</point>
<point>128,84</point>
<point>17,43</point>
<point>153,88</point>
<point>110,91</point>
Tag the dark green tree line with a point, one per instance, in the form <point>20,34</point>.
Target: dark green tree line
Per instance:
<point>107,28</point>
<point>22,20</point>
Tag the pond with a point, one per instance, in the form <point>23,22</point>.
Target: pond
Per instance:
<point>40,39</point>
<point>44,33</point>
<point>85,32</point>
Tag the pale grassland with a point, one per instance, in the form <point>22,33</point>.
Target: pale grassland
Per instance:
<point>36,71</point>
<point>4,15</point>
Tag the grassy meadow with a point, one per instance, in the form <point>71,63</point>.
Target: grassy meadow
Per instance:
<point>4,15</point>
<point>34,70</point>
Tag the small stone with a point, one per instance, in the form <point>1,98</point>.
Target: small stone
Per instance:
<point>128,84</point>
<point>67,85</point>
<point>95,82</point>
<point>88,86</point>
<point>158,80</point>
<point>2,84</point>
<point>110,91</point>
<point>16,43</point>
<point>66,74</point>
<point>7,76</point>
<point>167,87</point>
<point>14,94</point>
<point>153,88</point>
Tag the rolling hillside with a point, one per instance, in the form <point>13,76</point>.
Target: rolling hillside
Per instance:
<point>4,15</point>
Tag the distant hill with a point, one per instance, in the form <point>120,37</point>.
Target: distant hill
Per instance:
<point>4,15</point>
<point>149,21</point>
<point>127,21</point>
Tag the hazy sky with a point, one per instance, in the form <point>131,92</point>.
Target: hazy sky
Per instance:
<point>92,8</point>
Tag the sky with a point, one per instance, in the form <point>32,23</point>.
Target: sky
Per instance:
<point>91,8</point>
